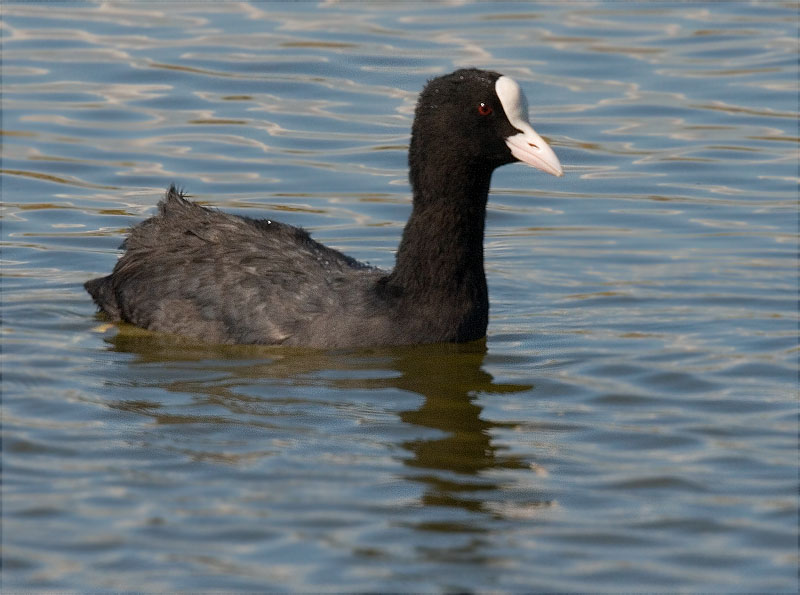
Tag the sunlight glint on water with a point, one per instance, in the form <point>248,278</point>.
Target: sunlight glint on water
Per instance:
<point>631,422</point>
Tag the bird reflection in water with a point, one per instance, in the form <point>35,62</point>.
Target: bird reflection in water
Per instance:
<point>460,466</point>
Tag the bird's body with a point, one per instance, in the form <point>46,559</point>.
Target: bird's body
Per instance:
<point>221,278</point>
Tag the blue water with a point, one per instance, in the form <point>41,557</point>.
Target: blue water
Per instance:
<point>630,423</point>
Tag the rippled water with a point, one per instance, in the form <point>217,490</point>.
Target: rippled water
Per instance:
<point>630,423</point>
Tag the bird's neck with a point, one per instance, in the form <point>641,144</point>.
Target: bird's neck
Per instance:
<point>442,246</point>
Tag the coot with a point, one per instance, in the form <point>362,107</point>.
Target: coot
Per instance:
<point>220,278</point>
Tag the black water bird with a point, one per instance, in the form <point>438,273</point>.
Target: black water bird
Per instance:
<point>220,278</point>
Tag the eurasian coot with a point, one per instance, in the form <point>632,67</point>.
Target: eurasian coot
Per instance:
<point>221,278</point>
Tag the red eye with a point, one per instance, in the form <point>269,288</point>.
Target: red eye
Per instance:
<point>484,109</point>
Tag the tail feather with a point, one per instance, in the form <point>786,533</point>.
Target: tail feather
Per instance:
<point>175,203</point>
<point>102,293</point>
<point>173,206</point>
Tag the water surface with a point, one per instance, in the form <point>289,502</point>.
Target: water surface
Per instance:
<point>630,423</point>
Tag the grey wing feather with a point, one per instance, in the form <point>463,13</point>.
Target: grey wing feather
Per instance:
<point>221,278</point>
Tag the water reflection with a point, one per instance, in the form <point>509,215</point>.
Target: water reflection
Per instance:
<point>457,465</point>
<point>454,464</point>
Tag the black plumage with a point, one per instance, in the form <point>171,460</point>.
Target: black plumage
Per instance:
<point>222,278</point>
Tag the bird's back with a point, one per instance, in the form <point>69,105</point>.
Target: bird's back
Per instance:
<point>221,278</point>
